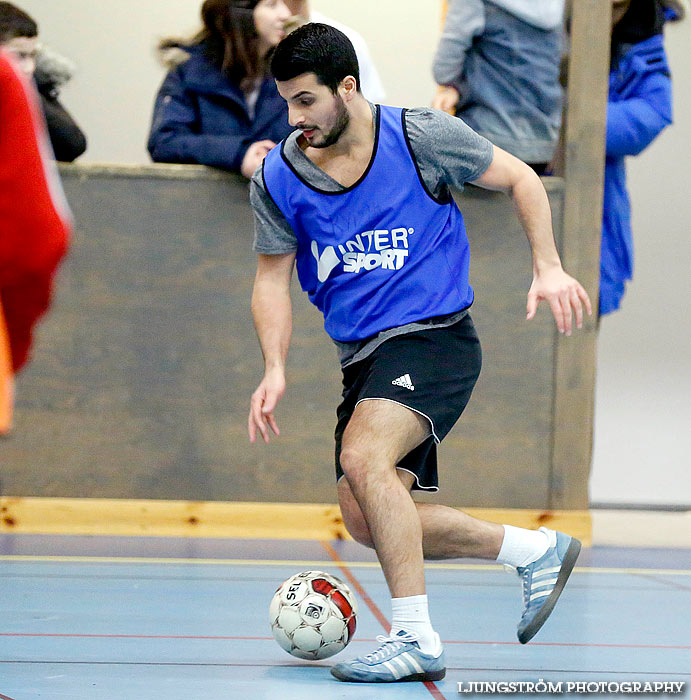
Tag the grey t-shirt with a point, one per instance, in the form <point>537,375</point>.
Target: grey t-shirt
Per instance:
<point>448,154</point>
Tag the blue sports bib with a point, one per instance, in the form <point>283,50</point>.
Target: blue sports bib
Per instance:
<point>381,253</point>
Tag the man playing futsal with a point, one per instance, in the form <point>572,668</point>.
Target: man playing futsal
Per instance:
<point>358,198</point>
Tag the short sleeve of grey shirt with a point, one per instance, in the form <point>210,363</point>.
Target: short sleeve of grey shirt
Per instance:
<point>447,151</point>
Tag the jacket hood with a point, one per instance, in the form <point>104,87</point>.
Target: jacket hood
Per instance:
<point>543,14</point>
<point>647,56</point>
<point>52,70</point>
<point>644,19</point>
<point>177,53</point>
<point>199,74</point>
<point>675,10</point>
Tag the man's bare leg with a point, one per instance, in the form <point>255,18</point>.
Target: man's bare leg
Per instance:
<point>447,533</point>
<point>379,434</point>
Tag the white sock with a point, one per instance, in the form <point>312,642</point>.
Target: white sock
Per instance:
<point>522,547</point>
<point>411,614</point>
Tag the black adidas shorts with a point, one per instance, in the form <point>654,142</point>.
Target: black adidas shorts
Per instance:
<point>432,372</point>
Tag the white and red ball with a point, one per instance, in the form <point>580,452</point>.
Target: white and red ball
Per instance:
<point>312,615</point>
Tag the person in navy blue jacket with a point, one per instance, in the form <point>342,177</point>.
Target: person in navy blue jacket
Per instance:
<point>639,108</point>
<point>217,105</point>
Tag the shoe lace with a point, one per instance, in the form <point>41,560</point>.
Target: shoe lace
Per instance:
<point>523,575</point>
<point>389,647</point>
<point>525,578</point>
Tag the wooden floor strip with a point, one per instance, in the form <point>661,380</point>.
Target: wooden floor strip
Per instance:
<point>314,521</point>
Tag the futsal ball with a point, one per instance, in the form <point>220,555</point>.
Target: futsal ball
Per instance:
<point>312,615</point>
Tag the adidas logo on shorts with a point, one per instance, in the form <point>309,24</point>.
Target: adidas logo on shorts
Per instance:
<point>404,381</point>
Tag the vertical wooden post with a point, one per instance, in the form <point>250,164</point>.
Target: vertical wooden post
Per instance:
<point>575,357</point>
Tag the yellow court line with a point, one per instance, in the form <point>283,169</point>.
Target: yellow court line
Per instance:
<point>310,563</point>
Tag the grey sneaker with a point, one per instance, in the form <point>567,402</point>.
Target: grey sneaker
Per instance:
<point>397,659</point>
<point>544,580</point>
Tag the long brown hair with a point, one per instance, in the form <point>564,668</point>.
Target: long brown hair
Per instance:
<point>229,38</point>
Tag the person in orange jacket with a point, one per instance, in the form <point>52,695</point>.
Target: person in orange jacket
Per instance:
<point>35,220</point>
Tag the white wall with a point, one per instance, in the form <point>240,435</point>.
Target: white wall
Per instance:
<point>402,36</point>
<point>643,407</point>
<point>111,95</point>
<point>643,412</point>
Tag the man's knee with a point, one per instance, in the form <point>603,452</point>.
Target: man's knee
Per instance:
<point>354,464</point>
<point>362,466</point>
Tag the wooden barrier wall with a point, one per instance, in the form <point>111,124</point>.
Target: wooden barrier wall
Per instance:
<point>143,370</point>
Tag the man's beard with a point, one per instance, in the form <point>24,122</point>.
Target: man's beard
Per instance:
<point>342,122</point>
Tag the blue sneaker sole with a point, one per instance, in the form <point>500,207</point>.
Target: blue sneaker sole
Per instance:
<point>430,676</point>
<point>574,549</point>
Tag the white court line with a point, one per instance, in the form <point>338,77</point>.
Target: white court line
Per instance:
<point>315,564</point>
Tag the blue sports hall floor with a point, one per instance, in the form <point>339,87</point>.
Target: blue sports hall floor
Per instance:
<point>145,618</point>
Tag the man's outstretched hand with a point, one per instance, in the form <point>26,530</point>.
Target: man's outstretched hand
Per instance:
<point>565,296</point>
<point>263,403</point>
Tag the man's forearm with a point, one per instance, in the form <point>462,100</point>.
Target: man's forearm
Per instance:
<point>533,210</point>
<point>564,293</point>
<point>272,311</point>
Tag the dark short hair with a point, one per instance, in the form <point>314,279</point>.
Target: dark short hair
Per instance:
<point>319,49</point>
<point>15,23</point>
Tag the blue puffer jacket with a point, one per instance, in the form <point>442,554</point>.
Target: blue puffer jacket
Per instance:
<point>639,108</point>
<point>201,117</point>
